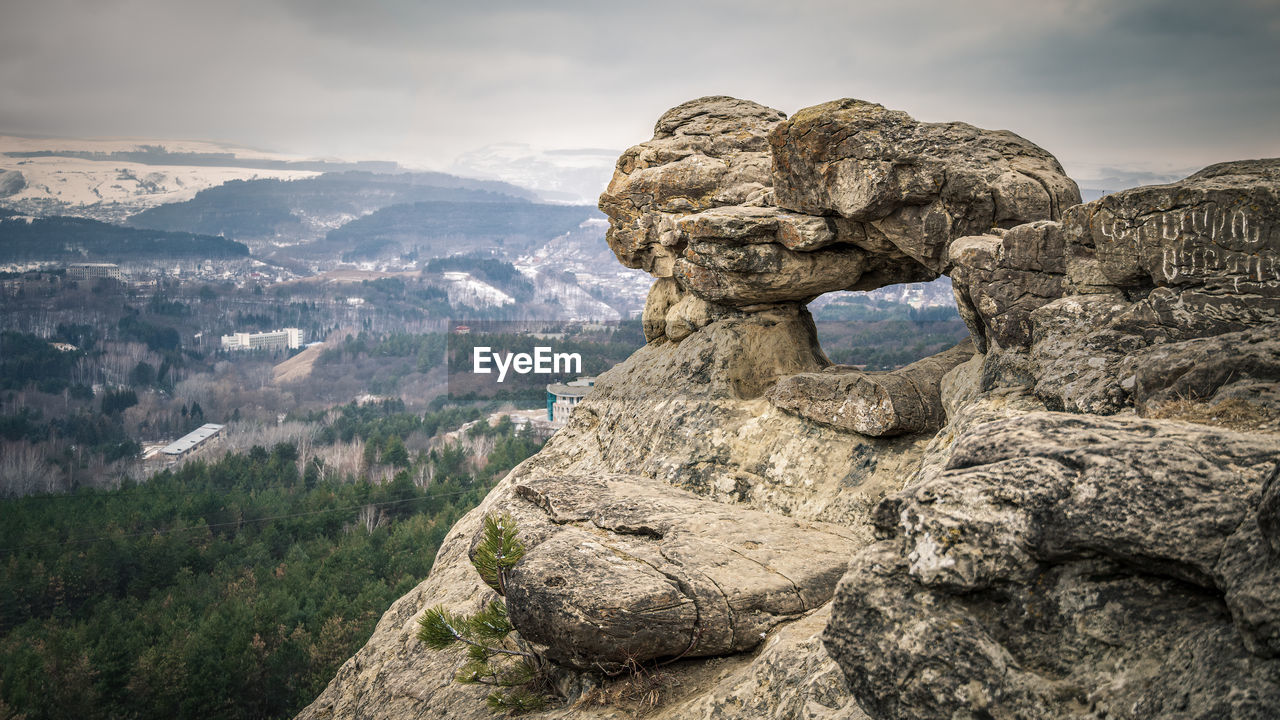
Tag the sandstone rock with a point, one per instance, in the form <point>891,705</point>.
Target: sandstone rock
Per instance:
<point>1000,279</point>
<point>1066,303</point>
<point>1061,561</point>
<point>694,202</point>
<point>662,295</point>
<point>750,255</point>
<point>918,185</point>
<point>692,414</point>
<point>744,225</point>
<point>685,415</point>
<point>756,274</point>
<point>637,571</point>
<point>1085,640</point>
<point>1218,229</point>
<point>1198,369</point>
<point>704,153</point>
<point>1269,514</point>
<point>906,400</point>
<point>688,315</point>
<point>792,678</point>
<point>1037,564</point>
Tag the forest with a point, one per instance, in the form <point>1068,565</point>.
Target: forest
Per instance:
<point>878,335</point>
<point>67,238</point>
<point>228,589</point>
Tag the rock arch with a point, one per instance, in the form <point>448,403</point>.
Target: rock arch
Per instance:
<point>737,209</point>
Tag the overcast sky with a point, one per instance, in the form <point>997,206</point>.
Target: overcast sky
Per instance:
<point>1137,85</point>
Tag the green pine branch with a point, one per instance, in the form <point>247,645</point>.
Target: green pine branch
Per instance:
<point>515,673</point>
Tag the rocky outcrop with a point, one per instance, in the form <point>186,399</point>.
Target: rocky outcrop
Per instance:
<point>1073,564</point>
<point>746,513</point>
<point>911,186</point>
<point>1059,561</point>
<point>1022,529</point>
<point>1073,306</point>
<point>865,197</point>
<point>706,153</point>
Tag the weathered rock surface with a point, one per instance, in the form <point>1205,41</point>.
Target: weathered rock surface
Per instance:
<point>867,197</point>
<point>705,153</point>
<point>1070,566</point>
<point>907,400</point>
<point>634,571</point>
<point>686,416</point>
<point>915,185</point>
<point>1063,305</point>
<point>792,678</point>
<point>1207,367</point>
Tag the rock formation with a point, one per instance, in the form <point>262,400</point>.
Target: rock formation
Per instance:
<point>1079,305</point>
<point>1037,524</point>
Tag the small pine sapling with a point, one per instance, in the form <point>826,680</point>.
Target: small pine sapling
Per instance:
<point>495,657</point>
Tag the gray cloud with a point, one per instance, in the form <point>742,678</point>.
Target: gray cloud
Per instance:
<point>1157,84</point>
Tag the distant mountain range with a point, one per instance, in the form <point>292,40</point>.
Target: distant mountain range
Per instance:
<point>272,212</point>
<point>576,175</point>
<point>439,229</point>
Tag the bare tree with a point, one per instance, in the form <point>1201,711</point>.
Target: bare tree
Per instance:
<point>24,470</point>
<point>371,518</point>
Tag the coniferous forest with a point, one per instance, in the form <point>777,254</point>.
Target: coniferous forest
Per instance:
<point>231,589</point>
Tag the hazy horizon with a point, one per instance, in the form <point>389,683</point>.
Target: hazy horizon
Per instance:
<point>1152,88</point>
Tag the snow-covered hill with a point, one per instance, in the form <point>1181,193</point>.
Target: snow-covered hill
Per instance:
<point>466,289</point>
<point>935,293</point>
<point>102,179</point>
<point>603,289</point>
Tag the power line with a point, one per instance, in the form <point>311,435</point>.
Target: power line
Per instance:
<point>146,488</point>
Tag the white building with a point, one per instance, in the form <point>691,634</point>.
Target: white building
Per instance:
<point>562,398</point>
<point>286,338</point>
<point>92,271</point>
<point>191,440</point>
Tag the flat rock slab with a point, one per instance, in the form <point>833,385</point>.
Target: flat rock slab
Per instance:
<point>630,570</point>
<point>907,400</point>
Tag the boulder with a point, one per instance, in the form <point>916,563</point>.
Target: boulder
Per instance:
<point>1001,278</point>
<point>705,153</point>
<point>914,185</point>
<point>907,400</point>
<point>634,571</point>
<point>1205,368</point>
<point>869,197</point>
